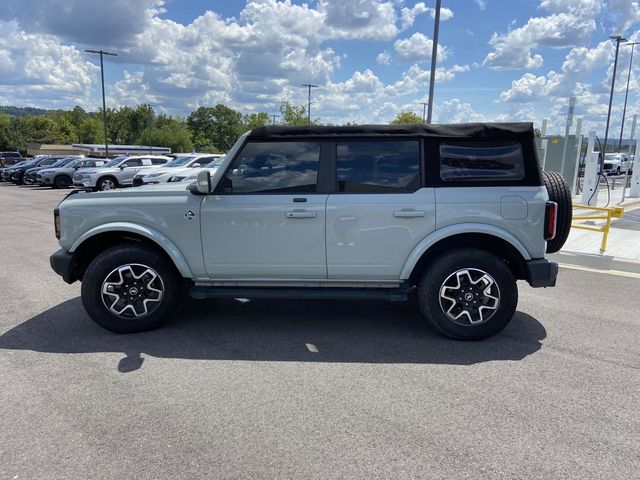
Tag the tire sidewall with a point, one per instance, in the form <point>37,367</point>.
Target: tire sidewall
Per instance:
<point>99,183</point>
<point>434,276</point>
<point>66,180</point>
<point>113,258</point>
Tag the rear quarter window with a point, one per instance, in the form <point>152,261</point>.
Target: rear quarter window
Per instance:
<point>460,162</point>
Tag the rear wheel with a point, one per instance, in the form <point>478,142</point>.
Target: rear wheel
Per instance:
<point>62,181</point>
<point>468,294</point>
<point>130,288</point>
<point>559,192</point>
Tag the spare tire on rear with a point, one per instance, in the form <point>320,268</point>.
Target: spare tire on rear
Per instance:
<point>560,193</point>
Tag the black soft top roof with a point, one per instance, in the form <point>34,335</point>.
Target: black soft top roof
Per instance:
<point>466,130</point>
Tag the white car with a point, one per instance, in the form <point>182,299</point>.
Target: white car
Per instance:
<point>190,175</point>
<point>617,163</point>
<point>181,164</point>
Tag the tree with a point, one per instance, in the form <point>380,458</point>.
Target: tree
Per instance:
<point>65,132</point>
<point>294,114</point>
<point>42,129</point>
<point>170,133</point>
<point>406,118</point>
<point>90,131</point>
<point>219,126</point>
<point>255,120</point>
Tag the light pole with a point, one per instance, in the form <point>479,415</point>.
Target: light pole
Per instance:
<point>309,86</point>
<point>619,39</point>
<point>434,56</point>
<point>626,95</point>
<point>424,108</point>
<point>273,116</point>
<point>104,104</point>
<point>150,105</point>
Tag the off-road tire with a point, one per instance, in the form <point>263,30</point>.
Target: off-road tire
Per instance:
<point>437,272</point>
<point>559,192</point>
<point>130,254</point>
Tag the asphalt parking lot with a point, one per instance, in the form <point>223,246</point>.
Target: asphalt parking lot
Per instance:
<point>273,389</point>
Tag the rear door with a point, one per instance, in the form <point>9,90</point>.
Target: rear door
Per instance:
<point>380,211</point>
<point>131,167</point>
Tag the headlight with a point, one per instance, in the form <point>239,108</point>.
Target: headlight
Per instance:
<point>176,178</point>
<point>152,175</point>
<point>46,171</point>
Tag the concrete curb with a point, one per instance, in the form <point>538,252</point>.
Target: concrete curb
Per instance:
<point>597,262</point>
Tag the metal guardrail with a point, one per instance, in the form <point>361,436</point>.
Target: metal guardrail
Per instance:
<point>611,212</point>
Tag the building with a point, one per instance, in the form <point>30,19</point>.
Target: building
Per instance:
<point>93,149</point>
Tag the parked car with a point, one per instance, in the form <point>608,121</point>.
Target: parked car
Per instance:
<point>616,163</point>
<point>119,172</point>
<point>453,214</point>
<point>9,158</point>
<point>17,175</point>
<point>4,171</point>
<point>11,172</point>
<point>30,176</point>
<point>190,175</point>
<point>176,166</point>
<point>61,177</point>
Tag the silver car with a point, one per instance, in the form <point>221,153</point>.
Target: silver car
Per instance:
<point>60,177</point>
<point>119,172</point>
<point>179,165</point>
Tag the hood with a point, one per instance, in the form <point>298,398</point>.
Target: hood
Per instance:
<point>144,191</point>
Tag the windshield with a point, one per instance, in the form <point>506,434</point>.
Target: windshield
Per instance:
<point>18,164</point>
<point>178,162</point>
<point>611,156</point>
<point>114,162</point>
<point>61,162</point>
<point>216,163</point>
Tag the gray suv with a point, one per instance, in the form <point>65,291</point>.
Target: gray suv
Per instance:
<point>454,215</point>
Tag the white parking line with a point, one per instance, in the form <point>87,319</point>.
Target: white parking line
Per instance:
<point>595,270</point>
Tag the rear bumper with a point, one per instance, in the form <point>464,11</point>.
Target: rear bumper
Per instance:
<point>541,272</point>
<point>62,263</point>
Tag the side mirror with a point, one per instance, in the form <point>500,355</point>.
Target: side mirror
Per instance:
<point>196,165</point>
<point>203,182</point>
<point>122,167</point>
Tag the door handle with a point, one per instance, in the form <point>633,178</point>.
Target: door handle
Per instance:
<point>409,213</point>
<point>300,214</point>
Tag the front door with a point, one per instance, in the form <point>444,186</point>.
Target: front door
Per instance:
<point>266,220</point>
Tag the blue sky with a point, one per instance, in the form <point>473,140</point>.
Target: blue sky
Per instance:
<point>500,60</point>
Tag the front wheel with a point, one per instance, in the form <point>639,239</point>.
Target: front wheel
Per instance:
<point>468,294</point>
<point>62,181</point>
<point>130,288</point>
<point>107,183</point>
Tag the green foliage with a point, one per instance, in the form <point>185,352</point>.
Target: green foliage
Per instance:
<point>90,131</point>
<point>218,126</point>
<point>406,118</point>
<point>255,120</point>
<point>294,114</point>
<point>168,132</point>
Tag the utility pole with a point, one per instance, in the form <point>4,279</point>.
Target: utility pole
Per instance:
<point>273,116</point>
<point>424,109</point>
<point>104,104</point>
<point>309,86</point>
<point>434,57</point>
<point>626,95</point>
<point>619,39</point>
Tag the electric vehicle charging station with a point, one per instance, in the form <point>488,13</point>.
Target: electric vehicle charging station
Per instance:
<point>591,173</point>
<point>634,192</point>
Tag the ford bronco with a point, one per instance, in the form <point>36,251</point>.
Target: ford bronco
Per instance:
<point>452,214</point>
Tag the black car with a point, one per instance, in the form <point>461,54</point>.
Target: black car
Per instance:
<point>9,158</point>
<point>5,171</point>
<point>30,176</point>
<point>17,173</point>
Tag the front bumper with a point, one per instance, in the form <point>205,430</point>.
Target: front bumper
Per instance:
<point>541,272</point>
<point>62,263</point>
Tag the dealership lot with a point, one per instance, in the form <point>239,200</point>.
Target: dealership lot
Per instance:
<point>290,389</point>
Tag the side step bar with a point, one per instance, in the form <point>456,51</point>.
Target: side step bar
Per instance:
<point>388,294</point>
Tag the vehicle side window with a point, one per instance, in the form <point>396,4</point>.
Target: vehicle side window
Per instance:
<point>133,162</point>
<point>478,162</point>
<point>378,166</point>
<point>158,161</point>
<point>280,167</point>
